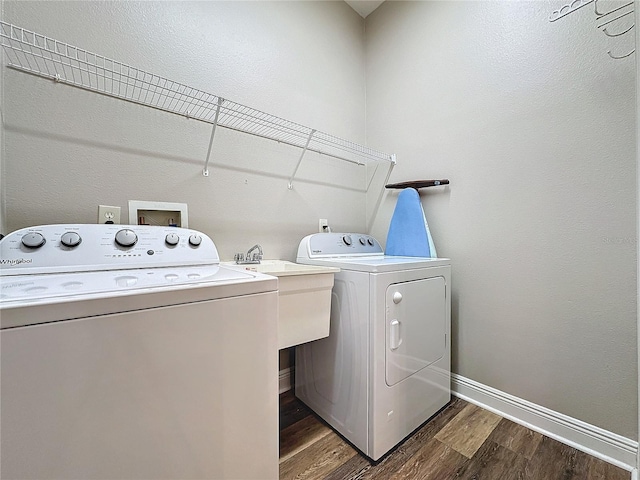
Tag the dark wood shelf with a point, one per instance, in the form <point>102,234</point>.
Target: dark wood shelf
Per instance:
<point>418,184</point>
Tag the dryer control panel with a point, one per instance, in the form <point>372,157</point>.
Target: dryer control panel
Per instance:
<point>95,247</point>
<point>320,245</point>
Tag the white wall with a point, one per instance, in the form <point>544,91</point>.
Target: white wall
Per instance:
<point>68,150</point>
<point>531,121</point>
<point>3,229</point>
<point>637,55</point>
<point>534,125</point>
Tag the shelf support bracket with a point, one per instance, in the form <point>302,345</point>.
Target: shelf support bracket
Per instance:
<point>205,171</point>
<point>392,163</point>
<point>304,150</point>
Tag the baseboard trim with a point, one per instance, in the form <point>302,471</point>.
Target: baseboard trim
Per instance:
<point>284,380</point>
<point>600,443</point>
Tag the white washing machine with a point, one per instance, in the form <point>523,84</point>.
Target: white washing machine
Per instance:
<point>129,353</point>
<point>385,367</point>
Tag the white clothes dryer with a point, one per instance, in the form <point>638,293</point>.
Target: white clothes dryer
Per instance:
<point>385,368</point>
<point>129,352</point>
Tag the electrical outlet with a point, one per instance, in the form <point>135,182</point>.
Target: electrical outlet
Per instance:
<point>323,225</point>
<point>108,214</point>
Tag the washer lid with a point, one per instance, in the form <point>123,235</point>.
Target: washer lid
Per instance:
<point>377,264</point>
<point>33,299</point>
<point>31,288</point>
<point>357,251</point>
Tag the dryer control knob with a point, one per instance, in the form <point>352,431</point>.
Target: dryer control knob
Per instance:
<point>195,240</point>
<point>126,238</point>
<point>70,239</point>
<point>172,239</point>
<point>33,240</point>
<point>397,297</point>
<point>362,241</point>
<point>347,240</point>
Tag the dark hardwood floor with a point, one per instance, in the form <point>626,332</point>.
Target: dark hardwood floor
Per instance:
<point>462,441</point>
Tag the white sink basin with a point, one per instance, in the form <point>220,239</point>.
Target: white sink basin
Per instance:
<point>304,299</point>
<point>282,268</point>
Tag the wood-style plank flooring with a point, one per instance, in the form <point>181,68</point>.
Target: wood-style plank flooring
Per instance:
<point>462,441</point>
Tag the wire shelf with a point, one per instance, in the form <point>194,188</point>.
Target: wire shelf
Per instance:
<point>46,57</point>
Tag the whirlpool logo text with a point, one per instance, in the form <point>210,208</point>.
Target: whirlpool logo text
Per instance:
<point>12,262</point>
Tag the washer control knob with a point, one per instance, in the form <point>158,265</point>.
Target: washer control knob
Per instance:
<point>195,240</point>
<point>370,241</point>
<point>126,238</point>
<point>347,240</point>
<point>70,239</point>
<point>397,297</point>
<point>172,239</point>
<point>362,241</point>
<point>33,240</point>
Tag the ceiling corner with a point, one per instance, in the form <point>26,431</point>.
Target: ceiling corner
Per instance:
<point>364,7</point>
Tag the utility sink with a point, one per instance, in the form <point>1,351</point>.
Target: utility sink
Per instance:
<point>304,299</point>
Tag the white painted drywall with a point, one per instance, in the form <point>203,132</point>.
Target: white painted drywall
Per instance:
<point>3,230</point>
<point>531,121</point>
<point>637,31</point>
<point>534,125</point>
<point>69,150</point>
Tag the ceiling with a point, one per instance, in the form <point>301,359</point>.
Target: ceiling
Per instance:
<point>364,7</point>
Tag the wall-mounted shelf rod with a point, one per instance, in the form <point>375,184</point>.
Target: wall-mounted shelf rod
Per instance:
<point>43,56</point>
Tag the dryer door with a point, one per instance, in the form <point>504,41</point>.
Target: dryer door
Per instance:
<point>416,327</point>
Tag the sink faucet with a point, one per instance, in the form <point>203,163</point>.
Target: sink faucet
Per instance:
<point>256,256</point>
<point>249,258</point>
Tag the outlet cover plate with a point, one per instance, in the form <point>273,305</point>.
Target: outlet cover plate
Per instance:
<point>108,214</point>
